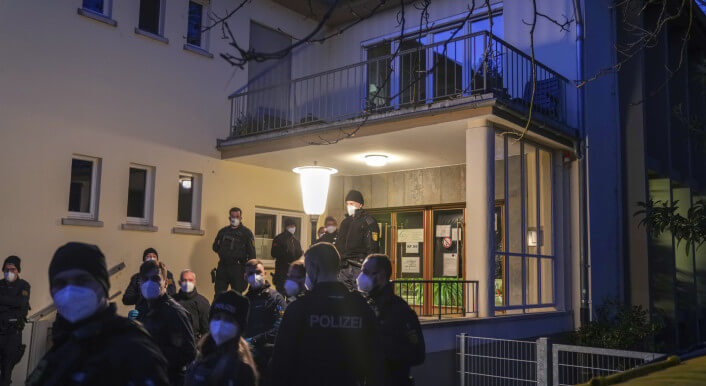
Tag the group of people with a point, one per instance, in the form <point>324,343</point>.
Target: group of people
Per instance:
<point>332,317</point>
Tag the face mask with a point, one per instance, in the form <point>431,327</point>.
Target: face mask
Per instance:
<point>291,287</point>
<point>150,259</point>
<point>291,230</point>
<point>187,286</point>
<point>222,331</point>
<point>234,222</point>
<point>76,303</point>
<point>150,289</point>
<point>351,210</point>
<point>365,283</point>
<point>330,229</point>
<point>10,276</point>
<point>307,283</point>
<point>256,281</point>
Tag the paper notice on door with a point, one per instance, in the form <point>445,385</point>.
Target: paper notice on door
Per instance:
<point>450,264</point>
<point>410,265</point>
<point>411,248</point>
<point>456,233</point>
<point>443,231</point>
<point>410,235</point>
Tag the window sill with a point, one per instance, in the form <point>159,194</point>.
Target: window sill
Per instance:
<point>152,36</point>
<point>97,17</point>
<point>188,231</point>
<point>138,227</point>
<point>81,222</point>
<point>197,50</point>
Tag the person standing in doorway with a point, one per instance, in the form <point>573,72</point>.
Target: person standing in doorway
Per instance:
<point>235,245</point>
<point>357,238</point>
<point>14,306</point>
<point>285,249</point>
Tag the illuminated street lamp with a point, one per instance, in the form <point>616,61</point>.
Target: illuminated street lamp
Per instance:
<point>314,182</point>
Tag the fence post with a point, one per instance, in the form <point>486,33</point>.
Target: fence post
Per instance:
<point>543,361</point>
<point>462,360</point>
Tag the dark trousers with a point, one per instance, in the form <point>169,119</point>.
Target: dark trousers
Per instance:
<point>10,354</point>
<point>231,274</point>
<point>279,278</point>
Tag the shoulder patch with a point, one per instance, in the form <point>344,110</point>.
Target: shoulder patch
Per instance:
<point>25,293</point>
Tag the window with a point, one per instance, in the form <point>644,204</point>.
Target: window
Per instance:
<point>525,261</point>
<point>194,33</point>
<point>83,190</point>
<point>151,12</point>
<point>102,7</point>
<point>140,195</point>
<point>270,222</point>
<point>189,203</point>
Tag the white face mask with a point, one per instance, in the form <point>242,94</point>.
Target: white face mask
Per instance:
<point>330,229</point>
<point>10,276</point>
<point>234,222</point>
<point>256,281</point>
<point>291,287</point>
<point>365,283</point>
<point>307,283</point>
<point>291,230</point>
<point>76,303</point>
<point>222,331</point>
<point>187,286</point>
<point>150,289</point>
<point>351,210</point>
<point>150,259</point>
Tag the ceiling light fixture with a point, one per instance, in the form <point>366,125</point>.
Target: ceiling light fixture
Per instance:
<point>376,159</point>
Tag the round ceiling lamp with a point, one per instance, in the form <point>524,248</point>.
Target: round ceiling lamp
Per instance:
<point>376,160</point>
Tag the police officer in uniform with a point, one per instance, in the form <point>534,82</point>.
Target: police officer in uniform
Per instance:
<point>330,227</point>
<point>92,345</point>
<point>14,305</point>
<point>328,336</point>
<point>402,339</point>
<point>295,286</point>
<point>132,295</point>
<point>357,238</point>
<point>285,249</point>
<point>235,245</point>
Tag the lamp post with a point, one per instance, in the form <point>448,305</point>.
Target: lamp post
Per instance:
<point>314,182</point>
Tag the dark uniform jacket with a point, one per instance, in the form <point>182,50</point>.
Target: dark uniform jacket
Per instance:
<point>133,295</point>
<point>327,337</point>
<point>14,305</point>
<point>402,339</point>
<point>298,296</point>
<point>328,237</point>
<point>170,326</point>
<point>234,245</point>
<point>266,310</point>
<point>198,307</point>
<point>285,249</point>
<point>104,349</point>
<point>358,236</point>
<point>220,365</point>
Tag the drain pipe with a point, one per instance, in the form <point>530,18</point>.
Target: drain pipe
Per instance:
<point>582,151</point>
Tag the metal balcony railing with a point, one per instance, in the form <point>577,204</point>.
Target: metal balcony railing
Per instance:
<point>468,65</point>
<point>439,298</point>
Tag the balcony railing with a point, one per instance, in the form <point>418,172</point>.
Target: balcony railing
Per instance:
<point>439,297</point>
<point>465,66</point>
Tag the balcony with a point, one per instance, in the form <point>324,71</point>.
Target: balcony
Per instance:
<point>459,73</point>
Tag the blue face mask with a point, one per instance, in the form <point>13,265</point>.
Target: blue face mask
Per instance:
<point>150,289</point>
<point>365,283</point>
<point>76,303</point>
<point>222,331</point>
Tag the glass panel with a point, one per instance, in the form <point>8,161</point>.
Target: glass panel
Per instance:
<point>193,32</point>
<point>500,281</point>
<point>297,223</point>
<point>532,289</point>
<point>410,245</point>
<point>413,71</point>
<point>93,5</point>
<point>385,225</point>
<point>149,16</point>
<point>378,76</point>
<point>186,198</point>
<point>265,228</point>
<point>514,199</point>
<point>137,187</point>
<point>700,263</point>
<point>448,61</point>
<point>685,287</point>
<point>81,185</point>
<point>532,234</point>
<point>514,280</point>
<point>448,243</point>
<point>545,203</point>
<point>547,268</point>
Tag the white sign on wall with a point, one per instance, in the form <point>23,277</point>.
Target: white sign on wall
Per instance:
<point>450,264</point>
<point>410,264</point>
<point>443,231</point>
<point>410,235</point>
<point>411,248</point>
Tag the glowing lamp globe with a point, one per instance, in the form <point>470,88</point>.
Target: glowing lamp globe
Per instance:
<point>314,183</point>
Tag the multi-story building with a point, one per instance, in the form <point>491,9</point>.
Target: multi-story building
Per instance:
<point>122,126</point>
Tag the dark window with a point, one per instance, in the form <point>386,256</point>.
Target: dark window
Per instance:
<point>149,16</point>
<point>186,198</point>
<point>193,33</point>
<point>93,5</point>
<point>81,186</point>
<point>137,188</point>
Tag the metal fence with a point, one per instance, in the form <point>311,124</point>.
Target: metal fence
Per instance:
<point>440,297</point>
<point>477,63</point>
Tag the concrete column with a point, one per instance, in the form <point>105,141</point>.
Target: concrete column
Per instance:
<point>480,204</point>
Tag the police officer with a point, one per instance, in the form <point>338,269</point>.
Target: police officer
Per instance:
<point>14,305</point>
<point>402,339</point>
<point>133,296</point>
<point>167,321</point>
<point>295,286</point>
<point>285,249</point>
<point>194,303</point>
<point>331,229</point>
<point>329,336</point>
<point>266,309</point>
<point>357,238</point>
<point>235,245</point>
<point>91,344</point>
